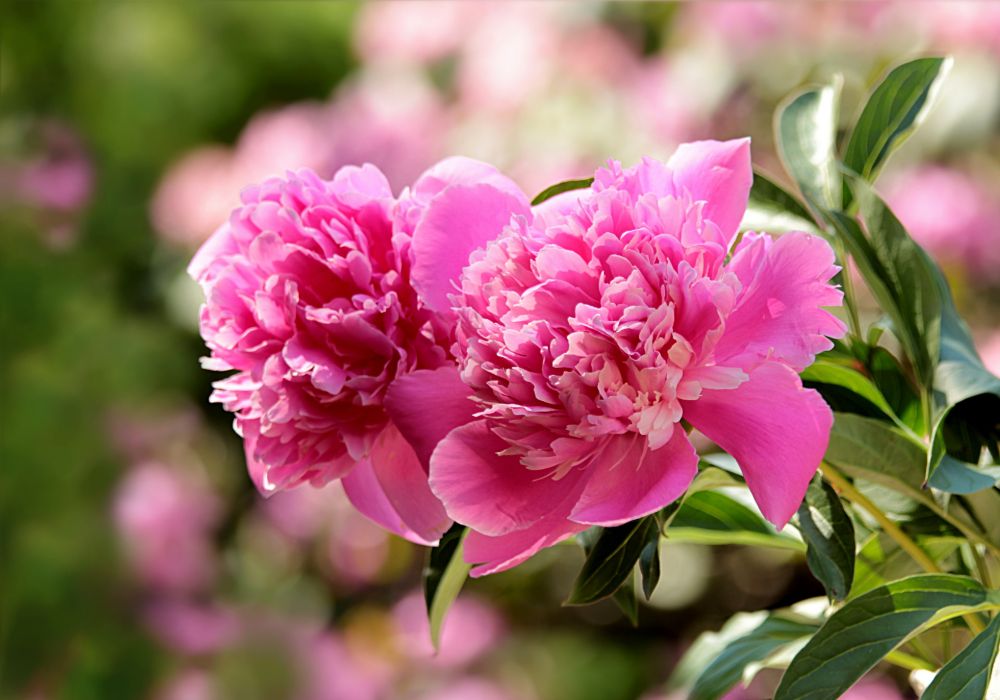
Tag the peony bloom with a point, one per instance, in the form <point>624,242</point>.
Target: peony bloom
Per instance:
<point>587,333</point>
<point>309,297</point>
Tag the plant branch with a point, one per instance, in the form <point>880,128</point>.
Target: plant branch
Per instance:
<point>892,530</point>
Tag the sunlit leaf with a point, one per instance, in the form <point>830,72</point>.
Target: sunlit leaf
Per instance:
<point>895,108</point>
<point>444,577</point>
<point>864,630</point>
<point>727,668</point>
<point>967,676</point>
<point>710,517</point>
<point>806,131</point>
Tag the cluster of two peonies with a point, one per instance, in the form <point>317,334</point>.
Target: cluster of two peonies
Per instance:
<point>454,353</point>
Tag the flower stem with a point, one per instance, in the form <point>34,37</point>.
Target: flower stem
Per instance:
<point>911,663</point>
<point>892,530</point>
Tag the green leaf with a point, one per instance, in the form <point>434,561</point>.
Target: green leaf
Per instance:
<point>881,560</point>
<point>649,562</point>
<point>894,110</point>
<point>774,210</point>
<point>806,131</point>
<point>967,676</point>
<point>896,270</point>
<point>725,670</point>
<point>892,382</point>
<point>829,534</point>
<point>444,577</point>
<point>864,630</point>
<point>874,450</point>
<point>560,187</point>
<point>966,403</point>
<point>626,600</point>
<point>611,554</point>
<point>709,517</point>
<point>832,374</point>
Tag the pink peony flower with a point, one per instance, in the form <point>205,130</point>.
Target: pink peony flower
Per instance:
<point>589,330</point>
<point>166,522</point>
<point>311,296</point>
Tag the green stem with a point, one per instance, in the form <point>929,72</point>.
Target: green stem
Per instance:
<point>911,663</point>
<point>892,530</point>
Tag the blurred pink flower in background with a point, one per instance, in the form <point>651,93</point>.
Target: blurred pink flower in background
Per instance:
<point>166,519</point>
<point>193,628</point>
<point>189,684</point>
<point>471,628</point>
<point>951,214</point>
<point>587,333</point>
<point>61,177</point>
<point>403,31</point>
<point>53,179</point>
<point>393,119</point>
<point>470,688</point>
<point>357,550</point>
<point>960,24</point>
<point>203,187</point>
<point>989,349</point>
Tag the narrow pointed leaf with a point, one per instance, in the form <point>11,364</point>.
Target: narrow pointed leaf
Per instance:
<point>612,552</point>
<point>626,600</point>
<point>560,187</point>
<point>895,108</point>
<point>859,635</point>
<point>649,562</point>
<point>444,577</point>
<point>829,534</point>
<point>968,675</point>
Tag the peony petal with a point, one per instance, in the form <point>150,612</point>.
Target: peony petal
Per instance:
<point>218,246</point>
<point>491,493</point>
<point>357,186</point>
<point>459,170</point>
<point>428,404</point>
<point>365,493</point>
<point>718,173</point>
<point>250,430</point>
<point>404,482</point>
<point>494,554</point>
<point>630,481</point>
<point>779,313</point>
<point>457,221</point>
<point>777,431</point>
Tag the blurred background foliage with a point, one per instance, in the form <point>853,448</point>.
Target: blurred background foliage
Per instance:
<point>135,559</point>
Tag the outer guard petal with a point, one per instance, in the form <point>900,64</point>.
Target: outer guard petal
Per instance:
<point>777,431</point>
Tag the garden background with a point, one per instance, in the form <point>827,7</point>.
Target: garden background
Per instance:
<point>136,559</point>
